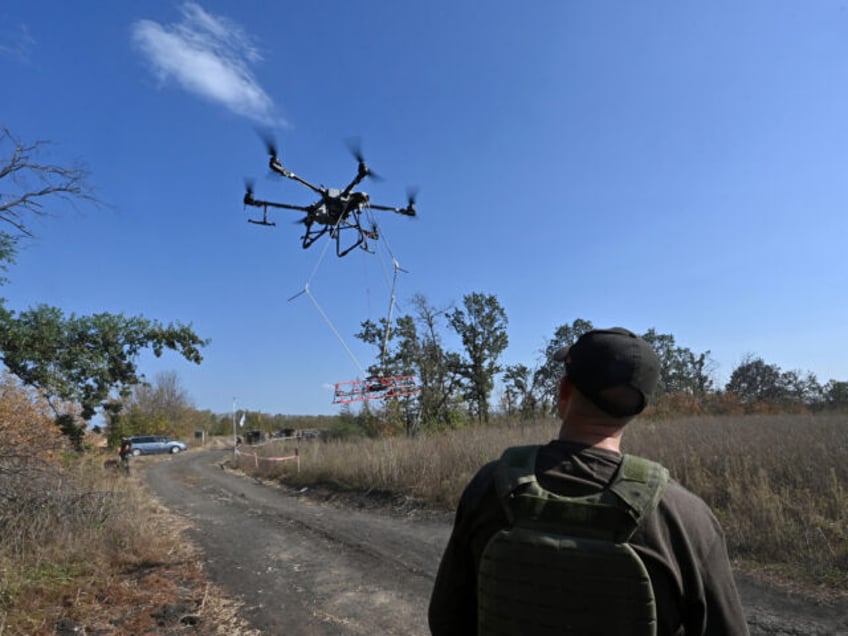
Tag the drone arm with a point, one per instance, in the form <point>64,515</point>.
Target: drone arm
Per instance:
<point>356,181</point>
<point>407,211</point>
<point>277,167</point>
<point>285,206</point>
<point>270,204</point>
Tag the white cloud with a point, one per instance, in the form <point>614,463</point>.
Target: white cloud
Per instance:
<point>209,56</point>
<point>17,43</point>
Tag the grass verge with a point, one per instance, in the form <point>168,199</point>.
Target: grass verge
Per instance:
<point>778,484</point>
<point>125,570</point>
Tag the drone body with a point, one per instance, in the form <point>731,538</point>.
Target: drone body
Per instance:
<point>334,213</point>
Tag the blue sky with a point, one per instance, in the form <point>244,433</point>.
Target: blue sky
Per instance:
<point>677,166</point>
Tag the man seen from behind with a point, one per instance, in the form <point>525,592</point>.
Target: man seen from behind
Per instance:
<point>575,537</point>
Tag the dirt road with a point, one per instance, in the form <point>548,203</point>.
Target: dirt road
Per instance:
<point>303,567</point>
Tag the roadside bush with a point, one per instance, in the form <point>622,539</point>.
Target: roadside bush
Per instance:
<point>64,520</point>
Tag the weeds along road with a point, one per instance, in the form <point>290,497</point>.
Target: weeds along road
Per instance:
<point>303,567</point>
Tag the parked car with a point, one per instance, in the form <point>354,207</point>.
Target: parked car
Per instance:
<point>153,444</point>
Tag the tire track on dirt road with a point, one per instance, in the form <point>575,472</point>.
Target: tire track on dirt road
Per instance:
<point>302,567</point>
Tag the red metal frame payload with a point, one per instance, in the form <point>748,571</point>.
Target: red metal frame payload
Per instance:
<point>375,389</point>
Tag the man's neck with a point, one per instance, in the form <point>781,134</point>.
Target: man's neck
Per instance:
<point>591,434</point>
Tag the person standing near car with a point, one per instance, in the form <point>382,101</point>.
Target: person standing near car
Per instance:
<point>124,452</point>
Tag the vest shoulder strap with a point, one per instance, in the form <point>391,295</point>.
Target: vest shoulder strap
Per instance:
<point>633,493</point>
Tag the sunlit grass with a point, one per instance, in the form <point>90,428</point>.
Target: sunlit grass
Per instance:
<point>777,483</point>
<point>108,566</point>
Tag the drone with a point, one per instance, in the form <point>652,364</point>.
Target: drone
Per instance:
<point>335,213</point>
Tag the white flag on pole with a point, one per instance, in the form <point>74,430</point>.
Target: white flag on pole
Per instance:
<point>241,421</point>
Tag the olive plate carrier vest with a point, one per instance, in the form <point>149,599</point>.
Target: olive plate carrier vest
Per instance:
<point>564,566</point>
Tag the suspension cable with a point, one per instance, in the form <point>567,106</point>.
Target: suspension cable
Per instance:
<point>392,301</point>
<point>333,329</point>
<point>392,298</point>
<point>306,290</point>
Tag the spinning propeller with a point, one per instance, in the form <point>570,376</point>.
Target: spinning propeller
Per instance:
<point>269,141</point>
<point>355,147</point>
<point>248,191</point>
<point>411,196</point>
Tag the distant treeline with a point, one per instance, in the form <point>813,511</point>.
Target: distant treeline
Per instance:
<point>470,385</point>
<point>458,386</point>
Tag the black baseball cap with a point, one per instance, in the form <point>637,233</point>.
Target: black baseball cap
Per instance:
<point>605,358</point>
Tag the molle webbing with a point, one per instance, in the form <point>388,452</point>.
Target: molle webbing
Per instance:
<point>533,586</point>
<point>612,514</point>
<point>564,567</point>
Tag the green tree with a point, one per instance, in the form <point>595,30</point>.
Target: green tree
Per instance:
<point>415,348</point>
<point>135,422</point>
<point>547,375</point>
<point>801,388</point>
<point>435,368</point>
<point>164,396</point>
<point>8,251</point>
<point>85,360</point>
<point>835,394</point>
<point>516,380</point>
<point>681,370</point>
<point>755,381</point>
<point>162,406</point>
<point>481,325</point>
<point>521,396</point>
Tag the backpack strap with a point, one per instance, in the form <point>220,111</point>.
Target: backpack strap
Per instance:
<point>517,468</point>
<point>639,483</point>
<point>612,514</point>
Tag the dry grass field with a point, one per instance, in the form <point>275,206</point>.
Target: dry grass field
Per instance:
<point>88,547</point>
<point>98,555</point>
<point>778,483</point>
<point>84,549</point>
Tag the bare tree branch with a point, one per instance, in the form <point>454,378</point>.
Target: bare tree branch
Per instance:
<point>28,185</point>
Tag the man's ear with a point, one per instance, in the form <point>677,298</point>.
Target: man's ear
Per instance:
<point>565,388</point>
<point>564,393</point>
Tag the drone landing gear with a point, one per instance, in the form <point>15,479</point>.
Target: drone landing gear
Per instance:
<point>311,235</point>
<point>264,220</point>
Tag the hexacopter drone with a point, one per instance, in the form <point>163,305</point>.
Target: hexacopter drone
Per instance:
<point>335,212</point>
